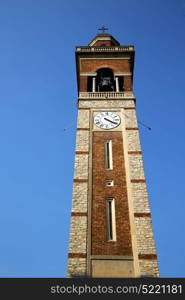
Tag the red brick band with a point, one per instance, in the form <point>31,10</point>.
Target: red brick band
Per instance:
<point>132,128</point>
<point>80,180</point>
<point>79,214</point>
<point>134,152</point>
<point>82,152</point>
<point>84,108</point>
<point>142,215</point>
<point>147,256</point>
<point>87,129</point>
<point>138,180</point>
<point>127,108</point>
<point>77,255</point>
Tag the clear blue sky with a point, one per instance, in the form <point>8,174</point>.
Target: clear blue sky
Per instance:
<point>38,100</point>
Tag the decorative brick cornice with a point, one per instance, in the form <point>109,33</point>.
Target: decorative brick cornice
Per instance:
<point>80,180</point>
<point>134,152</point>
<point>142,215</point>
<point>82,152</point>
<point>87,129</point>
<point>84,108</point>
<point>132,128</point>
<point>138,180</point>
<point>77,255</point>
<point>79,214</point>
<point>147,256</point>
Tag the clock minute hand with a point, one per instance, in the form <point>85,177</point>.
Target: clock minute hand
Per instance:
<point>110,121</point>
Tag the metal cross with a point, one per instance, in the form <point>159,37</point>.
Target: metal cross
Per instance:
<point>103,29</point>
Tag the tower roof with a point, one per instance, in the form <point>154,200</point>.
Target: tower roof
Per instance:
<point>103,39</point>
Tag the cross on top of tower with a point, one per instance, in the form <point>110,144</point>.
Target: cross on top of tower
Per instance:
<point>103,29</point>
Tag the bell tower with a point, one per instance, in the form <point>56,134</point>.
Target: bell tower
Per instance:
<point>111,232</point>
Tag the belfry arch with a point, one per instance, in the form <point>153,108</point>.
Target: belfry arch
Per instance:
<point>105,80</point>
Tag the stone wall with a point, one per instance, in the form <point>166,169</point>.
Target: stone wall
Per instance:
<point>149,268</point>
<point>83,118</point>
<point>144,235</point>
<point>106,103</point>
<point>130,118</point>
<point>81,166</point>
<point>142,219</point>
<point>140,198</point>
<point>78,235</point>
<point>133,142</point>
<point>77,267</point>
<point>79,200</point>
<point>77,261</point>
<point>82,140</point>
<point>136,166</point>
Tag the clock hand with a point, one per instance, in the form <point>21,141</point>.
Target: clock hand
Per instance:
<point>110,121</point>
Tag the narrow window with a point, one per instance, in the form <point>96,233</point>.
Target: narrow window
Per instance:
<point>89,83</point>
<point>108,155</point>
<point>121,83</point>
<point>111,222</point>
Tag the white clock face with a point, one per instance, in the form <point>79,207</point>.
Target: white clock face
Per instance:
<point>107,120</point>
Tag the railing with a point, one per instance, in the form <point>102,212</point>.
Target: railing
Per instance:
<point>104,49</point>
<point>105,95</point>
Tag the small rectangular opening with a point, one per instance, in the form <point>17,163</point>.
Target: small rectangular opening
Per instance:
<point>109,182</point>
<point>108,155</point>
<point>111,222</point>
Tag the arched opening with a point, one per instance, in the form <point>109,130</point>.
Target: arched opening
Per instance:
<point>105,80</point>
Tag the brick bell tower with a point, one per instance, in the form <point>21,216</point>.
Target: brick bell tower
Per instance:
<point>111,233</point>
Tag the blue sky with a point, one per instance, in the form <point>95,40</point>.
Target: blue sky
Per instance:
<point>38,100</point>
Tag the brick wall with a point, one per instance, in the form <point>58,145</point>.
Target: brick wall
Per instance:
<point>100,244</point>
<point>77,265</point>
<point>117,65</point>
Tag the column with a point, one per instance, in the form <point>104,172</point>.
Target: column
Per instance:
<point>94,84</point>
<point>117,84</point>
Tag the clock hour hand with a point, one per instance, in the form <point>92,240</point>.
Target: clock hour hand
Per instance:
<point>110,121</point>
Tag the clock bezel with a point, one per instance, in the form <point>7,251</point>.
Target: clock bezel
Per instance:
<point>113,126</point>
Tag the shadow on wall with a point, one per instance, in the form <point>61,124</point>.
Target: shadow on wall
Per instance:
<point>78,276</point>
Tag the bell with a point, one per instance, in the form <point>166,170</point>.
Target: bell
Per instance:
<point>105,81</point>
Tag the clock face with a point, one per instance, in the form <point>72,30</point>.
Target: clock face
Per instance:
<point>107,120</point>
